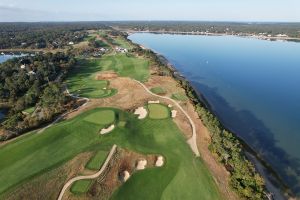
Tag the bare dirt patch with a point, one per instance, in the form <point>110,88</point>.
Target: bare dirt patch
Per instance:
<point>107,75</point>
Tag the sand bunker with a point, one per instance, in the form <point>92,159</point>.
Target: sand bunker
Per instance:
<point>153,101</point>
<point>141,164</point>
<point>174,113</point>
<point>126,176</point>
<point>107,130</point>
<point>160,161</point>
<point>142,112</point>
<point>106,75</point>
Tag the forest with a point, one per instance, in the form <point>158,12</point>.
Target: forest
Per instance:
<point>32,82</point>
<point>44,35</point>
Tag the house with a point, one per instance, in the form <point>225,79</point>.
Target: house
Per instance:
<point>31,73</point>
<point>23,66</point>
<point>121,50</point>
<point>71,43</point>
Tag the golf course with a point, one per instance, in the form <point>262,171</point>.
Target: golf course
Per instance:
<point>88,135</point>
<point>63,141</point>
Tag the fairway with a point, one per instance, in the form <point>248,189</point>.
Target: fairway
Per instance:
<point>127,66</point>
<point>122,43</point>
<point>96,162</point>
<point>184,175</point>
<point>158,111</point>
<point>82,81</point>
<point>81,186</point>
<point>103,117</point>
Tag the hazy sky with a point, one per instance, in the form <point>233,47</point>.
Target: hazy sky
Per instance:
<point>98,10</point>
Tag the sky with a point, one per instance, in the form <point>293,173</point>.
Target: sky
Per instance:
<point>115,10</point>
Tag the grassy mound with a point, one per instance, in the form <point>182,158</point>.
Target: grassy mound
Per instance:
<point>158,111</point>
<point>182,177</point>
<point>179,97</point>
<point>158,90</point>
<point>102,117</point>
<point>82,81</point>
<point>127,66</point>
<point>81,186</point>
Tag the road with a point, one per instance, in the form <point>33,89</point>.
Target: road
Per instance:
<point>93,176</point>
<point>193,140</point>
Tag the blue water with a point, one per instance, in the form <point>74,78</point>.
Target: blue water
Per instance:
<point>4,58</point>
<point>252,85</point>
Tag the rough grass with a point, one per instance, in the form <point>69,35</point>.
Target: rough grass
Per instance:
<point>158,90</point>
<point>104,117</point>
<point>179,96</point>
<point>29,110</point>
<point>96,162</point>
<point>82,81</point>
<point>127,66</point>
<point>81,186</point>
<point>182,177</point>
<point>158,111</point>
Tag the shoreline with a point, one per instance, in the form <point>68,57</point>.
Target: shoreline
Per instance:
<point>241,35</point>
<point>273,181</point>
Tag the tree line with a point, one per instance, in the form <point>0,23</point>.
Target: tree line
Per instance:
<point>44,35</point>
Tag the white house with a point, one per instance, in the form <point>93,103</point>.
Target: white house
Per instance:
<point>71,43</point>
<point>31,73</point>
<point>22,66</point>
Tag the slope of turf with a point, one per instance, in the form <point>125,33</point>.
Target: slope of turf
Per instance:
<point>158,90</point>
<point>82,81</point>
<point>183,176</point>
<point>122,43</point>
<point>96,162</point>
<point>81,186</point>
<point>101,117</point>
<point>179,97</point>
<point>128,66</point>
<point>158,111</point>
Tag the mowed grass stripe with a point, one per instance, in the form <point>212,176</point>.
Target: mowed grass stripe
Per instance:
<point>97,160</point>
<point>81,186</point>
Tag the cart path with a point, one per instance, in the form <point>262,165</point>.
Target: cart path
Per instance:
<point>193,140</point>
<point>93,176</point>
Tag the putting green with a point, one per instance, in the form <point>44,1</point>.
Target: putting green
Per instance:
<point>103,117</point>
<point>158,111</point>
<point>81,186</point>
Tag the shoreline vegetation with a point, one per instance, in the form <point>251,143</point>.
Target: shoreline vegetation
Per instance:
<point>227,147</point>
